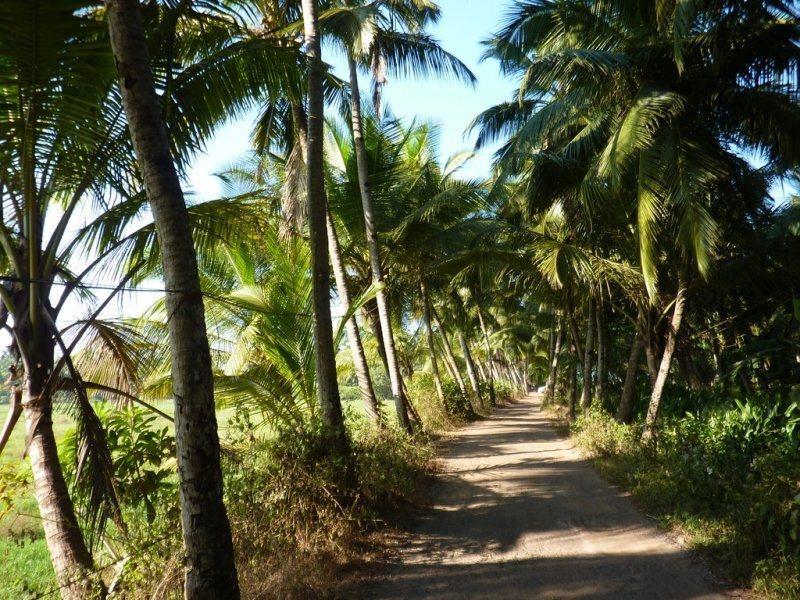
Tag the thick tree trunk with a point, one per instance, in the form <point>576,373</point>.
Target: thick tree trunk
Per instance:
<point>327,384</point>
<point>449,354</point>
<point>471,371</point>
<point>426,315</point>
<point>211,571</point>
<point>550,389</point>
<point>395,378</point>
<point>586,396</point>
<point>69,554</point>
<point>625,409</point>
<point>490,373</point>
<point>600,388</point>
<point>654,407</point>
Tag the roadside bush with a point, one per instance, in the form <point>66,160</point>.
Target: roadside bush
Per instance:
<point>294,512</point>
<point>728,477</point>
<point>437,416</point>
<point>455,403</point>
<point>504,392</point>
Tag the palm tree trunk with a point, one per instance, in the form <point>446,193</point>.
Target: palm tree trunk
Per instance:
<point>666,362</point>
<point>625,409</point>
<point>335,250</point>
<point>600,389</point>
<point>370,312</point>
<point>586,396</point>
<point>449,354</point>
<point>327,384</point>
<point>573,392</point>
<point>69,554</point>
<point>211,571</point>
<point>471,372</point>
<point>353,335</point>
<point>426,313</point>
<point>490,376</point>
<point>550,389</point>
<point>395,378</point>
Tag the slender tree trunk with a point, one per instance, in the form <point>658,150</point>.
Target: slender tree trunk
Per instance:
<point>650,348</point>
<point>448,363</point>
<point>327,384</point>
<point>384,314</point>
<point>586,396</point>
<point>353,335</point>
<point>602,344</point>
<point>625,409</point>
<point>482,371</point>
<point>573,391</point>
<point>371,315</point>
<point>666,362</point>
<point>334,249</point>
<point>211,571</point>
<point>449,354</point>
<point>550,388</point>
<point>490,375</point>
<point>426,313</point>
<point>471,372</point>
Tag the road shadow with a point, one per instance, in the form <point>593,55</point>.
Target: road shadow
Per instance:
<point>519,514</point>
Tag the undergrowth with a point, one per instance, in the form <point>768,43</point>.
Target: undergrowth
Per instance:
<point>297,519</point>
<point>727,478</point>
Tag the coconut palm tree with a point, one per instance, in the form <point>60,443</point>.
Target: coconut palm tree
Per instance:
<point>387,37</point>
<point>597,104</point>
<point>327,385</point>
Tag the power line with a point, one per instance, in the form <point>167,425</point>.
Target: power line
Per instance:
<point>135,289</point>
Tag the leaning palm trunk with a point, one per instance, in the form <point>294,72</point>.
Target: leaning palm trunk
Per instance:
<point>490,376</point>
<point>69,554</point>
<point>449,355</point>
<point>353,335</point>
<point>211,571</point>
<point>426,312</point>
<point>550,389</point>
<point>586,396</point>
<point>666,362</point>
<point>471,371</point>
<point>384,315</point>
<point>625,409</point>
<point>327,384</point>
<point>602,346</point>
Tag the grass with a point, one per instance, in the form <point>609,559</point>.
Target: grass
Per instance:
<point>387,465</point>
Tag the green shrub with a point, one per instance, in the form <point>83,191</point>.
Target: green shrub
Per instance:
<point>295,512</point>
<point>729,477</point>
<point>436,416</point>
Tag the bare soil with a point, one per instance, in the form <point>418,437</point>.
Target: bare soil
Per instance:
<point>519,513</point>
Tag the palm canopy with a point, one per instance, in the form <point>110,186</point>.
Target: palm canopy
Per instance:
<point>657,97</point>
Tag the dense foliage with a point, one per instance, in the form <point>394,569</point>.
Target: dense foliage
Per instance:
<point>628,252</point>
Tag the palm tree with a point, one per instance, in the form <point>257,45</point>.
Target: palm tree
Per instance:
<point>206,531</point>
<point>404,49</point>
<point>599,114</point>
<point>327,385</point>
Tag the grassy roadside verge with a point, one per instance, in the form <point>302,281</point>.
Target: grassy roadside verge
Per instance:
<point>728,488</point>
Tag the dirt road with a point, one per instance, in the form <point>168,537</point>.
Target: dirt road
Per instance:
<point>519,514</point>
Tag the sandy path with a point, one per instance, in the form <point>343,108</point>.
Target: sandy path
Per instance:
<point>519,514</point>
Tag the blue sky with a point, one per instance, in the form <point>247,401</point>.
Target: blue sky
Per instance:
<point>464,24</point>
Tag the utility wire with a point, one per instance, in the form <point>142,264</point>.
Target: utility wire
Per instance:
<point>152,290</point>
